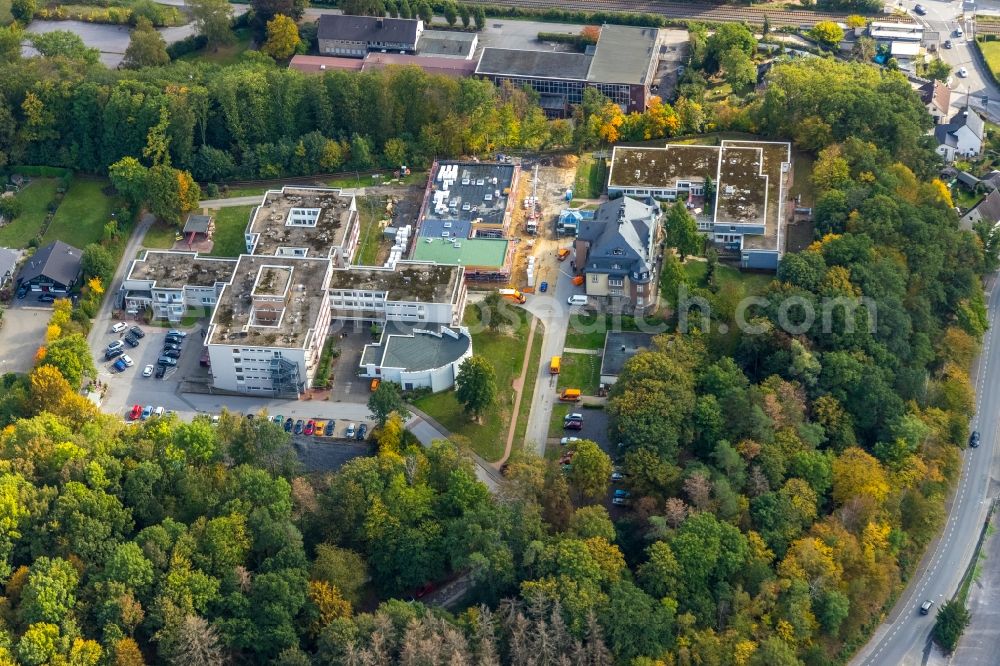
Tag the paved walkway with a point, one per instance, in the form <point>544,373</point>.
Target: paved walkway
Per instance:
<point>589,352</point>
<point>426,429</point>
<point>231,202</point>
<point>518,391</point>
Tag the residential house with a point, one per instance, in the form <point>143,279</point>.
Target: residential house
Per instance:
<point>616,252</point>
<point>936,96</point>
<point>962,136</point>
<point>54,268</point>
<point>354,36</point>
<point>171,283</point>
<point>987,210</point>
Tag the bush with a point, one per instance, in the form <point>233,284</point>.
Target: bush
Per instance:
<point>952,619</point>
<point>10,208</point>
<point>189,44</point>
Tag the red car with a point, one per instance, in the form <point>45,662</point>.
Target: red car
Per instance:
<point>135,413</point>
<point>310,427</point>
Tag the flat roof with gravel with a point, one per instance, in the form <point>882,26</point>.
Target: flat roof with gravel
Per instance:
<point>408,281</point>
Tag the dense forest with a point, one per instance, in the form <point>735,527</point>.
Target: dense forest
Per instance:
<point>783,480</point>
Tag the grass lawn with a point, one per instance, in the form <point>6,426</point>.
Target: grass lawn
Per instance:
<point>230,225</point>
<point>591,175</point>
<point>224,55</point>
<point>35,199</point>
<point>587,331</point>
<point>370,210</point>
<point>991,53</point>
<point>82,214</point>
<point>505,350</point>
<point>750,283</point>
<point>580,371</point>
<point>802,165</point>
<point>160,236</point>
<point>559,411</point>
<point>233,192</point>
<point>965,199</point>
<point>6,18</point>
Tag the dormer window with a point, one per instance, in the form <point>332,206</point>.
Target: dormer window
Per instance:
<point>618,252</point>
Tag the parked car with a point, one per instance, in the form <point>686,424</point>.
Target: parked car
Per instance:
<point>137,332</point>
<point>543,287</point>
<point>621,492</point>
<point>160,371</point>
<point>616,477</point>
<point>948,44</point>
<point>117,344</point>
<point>158,411</point>
<point>113,353</point>
<point>974,439</point>
<point>128,360</point>
<point>621,501</point>
<point>135,413</point>
<point>920,10</point>
<point>166,360</point>
<point>22,291</point>
<point>119,366</point>
<point>310,427</point>
<point>351,431</point>
<point>147,371</point>
<point>171,353</point>
<point>568,440</point>
<point>131,340</point>
<point>330,426</point>
<point>119,327</point>
<point>146,412</point>
<point>289,423</point>
<point>174,331</point>
<point>362,432</point>
<point>278,418</point>
<point>171,346</point>
<point>46,298</point>
<point>298,427</point>
<point>318,431</point>
<point>173,340</point>
<point>963,72</point>
<point>573,416</point>
<point>573,425</point>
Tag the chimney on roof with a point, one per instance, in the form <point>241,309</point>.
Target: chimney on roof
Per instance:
<point>621,214</point>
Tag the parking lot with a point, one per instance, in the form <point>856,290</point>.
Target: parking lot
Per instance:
<point>23,330</point>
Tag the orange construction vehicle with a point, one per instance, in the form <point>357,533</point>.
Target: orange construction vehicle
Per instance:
<point>563,253</point>
<point>513,294</point>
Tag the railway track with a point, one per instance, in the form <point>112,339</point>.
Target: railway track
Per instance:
<point>681,10</point>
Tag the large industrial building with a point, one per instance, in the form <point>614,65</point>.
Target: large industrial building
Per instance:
<point>622,65</point>
<point>744,214</point>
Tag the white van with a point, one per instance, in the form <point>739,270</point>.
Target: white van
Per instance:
<point>577,299</point>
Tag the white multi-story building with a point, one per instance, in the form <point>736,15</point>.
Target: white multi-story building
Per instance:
<point>413,293</point>
<point>305,222</point>
<point>170,283</point>
<point>268,330</point>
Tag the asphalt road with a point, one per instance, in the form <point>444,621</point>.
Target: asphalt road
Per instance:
<point>904,639</point>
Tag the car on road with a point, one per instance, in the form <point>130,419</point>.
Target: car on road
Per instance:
<point>330,426</point>
<point>362,432</point>
<point>135,413</point>
<point>46,298</point>
<point>146,412</point>
<point>543,287</point>
<point>113,353</point>
<point>919,10</point>
<point>119,327</point>
<point>310,427</point>
<point>166,360</point>
<point>948,44</point>
<point>925,607</point>
<point>320,425</point>
<point>171,353</point>
<point>963,72</point>
<point>568,440</point>
<point>128,360</point>
<point>298,427</point>
<point>160,371</point>
<point>289,424</point>
<point>131,340</point>
<point>119,366</point>
<point>137,332</point>
<point>147,371</point>
<point>351,430</point>
<point>974,439</point>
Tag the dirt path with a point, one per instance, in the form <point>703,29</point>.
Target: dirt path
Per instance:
<point>518,391</point>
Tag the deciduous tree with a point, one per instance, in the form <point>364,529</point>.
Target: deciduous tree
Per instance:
<point>146,47</point>
<point>476,385</point>
<point>282,38</point>
<point>682,231</point>
<point>385,400</point>
<point>590,469</point>
<point>213,19</point>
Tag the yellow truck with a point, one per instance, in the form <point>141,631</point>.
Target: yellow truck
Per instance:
<point>513,294</point>
<point>554,365</point>
<point>570,395</point>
